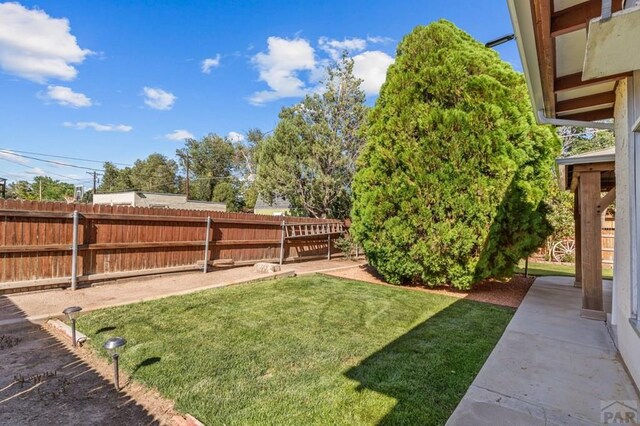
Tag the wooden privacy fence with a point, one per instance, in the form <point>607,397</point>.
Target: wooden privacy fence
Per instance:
<point>45,244</point>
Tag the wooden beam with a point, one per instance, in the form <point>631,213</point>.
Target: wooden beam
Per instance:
<point>578,239</point>
<point>573,81</point>
<point>594,167</point>
<point>591,244</point>
<point>606,201</point>
<point>586,101</point>
<point>541,14</point>
<point>577,17</point>
<point>597,114</point>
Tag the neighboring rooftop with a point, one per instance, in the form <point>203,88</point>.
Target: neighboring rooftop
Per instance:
<point>155,199</point>
<point>278,203</point>
<point>599,156</point>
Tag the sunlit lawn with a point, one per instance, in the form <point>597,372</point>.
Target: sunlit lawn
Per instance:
<point>543,269</point>
<point>307,350</point>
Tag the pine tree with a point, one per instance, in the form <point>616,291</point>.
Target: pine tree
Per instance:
<point>310,158</point>
<point>451,182</point>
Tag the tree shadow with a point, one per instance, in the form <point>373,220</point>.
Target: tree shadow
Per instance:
<point>428,369</point>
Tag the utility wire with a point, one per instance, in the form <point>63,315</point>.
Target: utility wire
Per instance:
<point>63,157</point>
<point>51,161</point>
<point>45,172</point>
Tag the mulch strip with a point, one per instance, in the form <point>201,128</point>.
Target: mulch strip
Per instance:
<point>496,292</point>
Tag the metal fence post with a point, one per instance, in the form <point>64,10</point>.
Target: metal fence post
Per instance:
<point>206,246</point>
<point>74,252</point>
<point>282,229</point>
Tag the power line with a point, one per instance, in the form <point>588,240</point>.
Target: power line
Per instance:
<point>63,157</point>
<point>51,161</point>
<point>45,172</point>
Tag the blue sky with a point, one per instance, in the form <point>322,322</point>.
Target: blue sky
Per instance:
<point>118,80</point>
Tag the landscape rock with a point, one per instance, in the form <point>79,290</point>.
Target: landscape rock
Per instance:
<point>264,267</point>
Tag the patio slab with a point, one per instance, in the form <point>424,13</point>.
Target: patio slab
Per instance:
<point>551,367</point>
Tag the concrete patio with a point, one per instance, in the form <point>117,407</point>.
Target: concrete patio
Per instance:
<point>551,367</point>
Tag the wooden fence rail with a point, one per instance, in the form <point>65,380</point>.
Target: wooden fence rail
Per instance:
<point>36,241</point>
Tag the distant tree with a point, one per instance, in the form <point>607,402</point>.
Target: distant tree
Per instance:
<point>41,188</point>
<point>156,173</point>
<point>19,190</point>
<point>115,179</point>
<point>577,140</point>
<point>228,192</point>
<point>210,163</point>
<point>247,154</point>
<point>451,184</point>
<point>310,158</point>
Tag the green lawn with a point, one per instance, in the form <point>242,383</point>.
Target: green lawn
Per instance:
<point>306,350</point>
<point>556,269</point>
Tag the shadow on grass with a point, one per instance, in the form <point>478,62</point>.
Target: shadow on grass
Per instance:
<point>105,329</point>
<point>429,369</point>
<point>145,363</point>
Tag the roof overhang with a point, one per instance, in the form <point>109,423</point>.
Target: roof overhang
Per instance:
<point>552,41</point>
<point>603,161</point>
<point>608,41</point>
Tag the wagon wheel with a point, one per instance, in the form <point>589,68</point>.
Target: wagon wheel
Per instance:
<point>563,250</point>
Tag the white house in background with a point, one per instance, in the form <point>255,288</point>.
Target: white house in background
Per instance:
<point>156,200</point>
<point>279,207</point>
<point>581,60</point>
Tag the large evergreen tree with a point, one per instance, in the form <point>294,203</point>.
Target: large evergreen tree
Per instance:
<point>451,183</point>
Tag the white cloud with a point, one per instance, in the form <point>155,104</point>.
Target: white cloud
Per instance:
<point>158,98</point>
<point>37,47</point>
<point>37,171</point>
<point>379,39</point>
<point>335,47</point>
<point>235,137</point>
<point>210,63</point>
<point>81,125</point>
<point>371,67</point>
<point>67,97</point>
<point>280,68</point>
<point>8,155</point>
<point>179,135</point>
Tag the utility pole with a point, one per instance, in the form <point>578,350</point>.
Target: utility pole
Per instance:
<point>40,181</point>
<point>95,179</point>
<point>187,186</point>
<point>185,159</point>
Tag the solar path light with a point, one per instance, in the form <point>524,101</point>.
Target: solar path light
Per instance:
<point>112,346</point>
<point>71,313</point>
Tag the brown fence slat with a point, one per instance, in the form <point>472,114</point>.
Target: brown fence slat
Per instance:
<point>35,239</point>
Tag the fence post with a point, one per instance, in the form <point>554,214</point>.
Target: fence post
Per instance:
<point>329,244</point>
<point>74,252</point>
<point>282,229</point>
<point>206,246</point>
